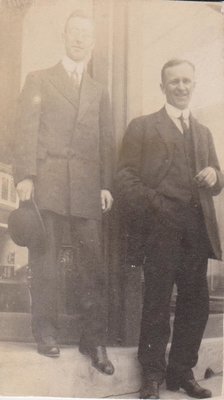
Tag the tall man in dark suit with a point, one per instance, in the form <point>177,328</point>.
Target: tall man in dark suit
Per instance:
<point>63,159</point>
<point>168,173</point>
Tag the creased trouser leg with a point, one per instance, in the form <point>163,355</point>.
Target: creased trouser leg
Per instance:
<point>92,282</point>
<point>44,281</point>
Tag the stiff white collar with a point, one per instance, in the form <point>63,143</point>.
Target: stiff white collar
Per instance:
<point>174,112</point>
<point>70,66</point>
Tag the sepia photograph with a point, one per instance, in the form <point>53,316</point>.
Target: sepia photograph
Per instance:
<point>111,199</point>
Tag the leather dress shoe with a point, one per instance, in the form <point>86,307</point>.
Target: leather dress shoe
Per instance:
<point>48,347</point>
<point>99,357</point>
<point>191,387</point>
<point>149,389</point>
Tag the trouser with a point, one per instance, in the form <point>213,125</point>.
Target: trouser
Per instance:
<point>86,234</point>
<point>178,257</point>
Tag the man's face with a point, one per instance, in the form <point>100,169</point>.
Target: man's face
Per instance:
<point>79,39</point>
<point>178,85</point>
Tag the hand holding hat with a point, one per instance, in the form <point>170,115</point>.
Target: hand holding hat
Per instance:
<point>25,189</point>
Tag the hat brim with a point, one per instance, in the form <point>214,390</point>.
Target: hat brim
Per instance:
<point>26,226</point>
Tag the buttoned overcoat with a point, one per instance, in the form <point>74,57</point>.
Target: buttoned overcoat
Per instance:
<point>63,140</point>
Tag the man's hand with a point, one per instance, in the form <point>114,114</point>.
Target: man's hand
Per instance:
<point>106,200</point>
<point>25,189</point>
<point>206,177</point>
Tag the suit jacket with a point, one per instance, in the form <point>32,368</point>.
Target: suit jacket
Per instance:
<point>64,142</point>
<point>145,159</point>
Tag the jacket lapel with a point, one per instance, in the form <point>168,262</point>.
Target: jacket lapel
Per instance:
<point>164,126</point>
<point>60,80</point>
<point>88,93</point>
<point>195,137</point>
<point>88,89</point>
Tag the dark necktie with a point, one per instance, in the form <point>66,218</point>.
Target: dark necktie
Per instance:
<point>184,125</point>
<point>188,144</point>
<point>75,79</point>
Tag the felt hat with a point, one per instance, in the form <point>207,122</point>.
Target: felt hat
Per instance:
<point>26,226</point>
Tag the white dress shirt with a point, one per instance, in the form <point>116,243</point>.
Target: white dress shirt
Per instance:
<point>174,113</point>
<point>71,66</point>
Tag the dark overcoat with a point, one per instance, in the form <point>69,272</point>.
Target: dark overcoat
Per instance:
<point>145,159</point>
<point>64,142</point>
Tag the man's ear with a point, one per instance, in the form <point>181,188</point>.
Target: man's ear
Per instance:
<point>162,88</point>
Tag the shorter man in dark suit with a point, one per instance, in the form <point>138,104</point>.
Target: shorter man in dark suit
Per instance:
<point>63,160</point>
<point>168,173</point>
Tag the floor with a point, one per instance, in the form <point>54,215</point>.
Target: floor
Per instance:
<point>24,372</point>
<point>214,384</point>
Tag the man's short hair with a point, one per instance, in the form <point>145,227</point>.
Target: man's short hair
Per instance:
<point>78,14</point>
<point>173,63</point>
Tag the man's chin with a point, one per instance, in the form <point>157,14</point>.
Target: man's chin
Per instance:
<point>77,56</point>
<point>181,104</point>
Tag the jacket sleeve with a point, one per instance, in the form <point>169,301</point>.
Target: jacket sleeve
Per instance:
<point>214,163</point>
<point>26,129</point>
<point>107,145</point>
<point>131,192</point>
